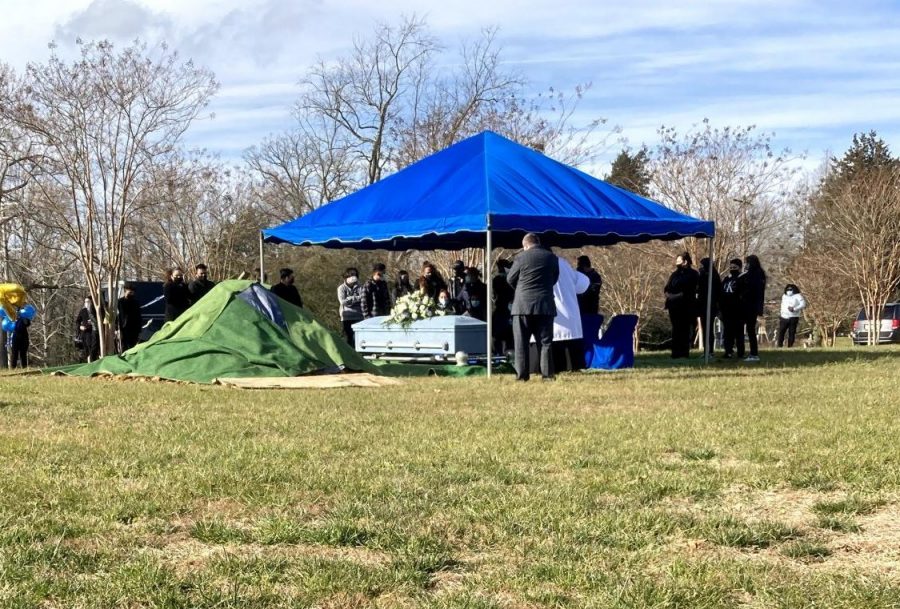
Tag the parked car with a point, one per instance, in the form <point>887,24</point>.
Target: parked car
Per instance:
<point>890,326</point>
<point>153,306</point>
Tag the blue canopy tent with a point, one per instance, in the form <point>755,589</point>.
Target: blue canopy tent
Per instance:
<point>486,191</point>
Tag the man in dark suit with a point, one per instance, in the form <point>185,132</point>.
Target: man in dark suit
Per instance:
<point>533,275</point>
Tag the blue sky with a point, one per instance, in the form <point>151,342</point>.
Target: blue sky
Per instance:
<point>812,72</point>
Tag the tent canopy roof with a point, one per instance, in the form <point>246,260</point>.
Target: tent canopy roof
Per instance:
<point>449,199</point>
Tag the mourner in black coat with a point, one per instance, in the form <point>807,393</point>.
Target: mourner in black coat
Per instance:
<point>176,295</point>
<point>129,318</point>
<point>681,303</point>
<point>533,275</point>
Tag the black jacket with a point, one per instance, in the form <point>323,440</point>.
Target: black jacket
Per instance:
<point>129,318</point>
<point>589,301</point>
<point>471,294</point>
<point>503,296</point>
<point>681,291</point>
<point>376,299</point>
<point>533,275</point>
<point>289,293</point>
<point>730,301</point>
<point>703,286</point>
<point>752,292</point>
<point>198,288</point>
<point>178,299</point>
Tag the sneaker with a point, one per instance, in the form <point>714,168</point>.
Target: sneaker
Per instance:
<point>751,358</point>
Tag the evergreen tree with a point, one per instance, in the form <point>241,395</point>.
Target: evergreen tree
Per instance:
<point>630,171</point>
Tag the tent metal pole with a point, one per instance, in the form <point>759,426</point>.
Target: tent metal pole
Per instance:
<point>707,344</point>
<point>262,270</point>
<point>488,270</point>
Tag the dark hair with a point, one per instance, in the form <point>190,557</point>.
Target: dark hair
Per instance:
<point>286,272</point>
<point>583,261</point>
<point>459,264</point>
<point>403,272</point>
<point>350,271</point>
<point>754,265</point>
<point>378,267</point>
<point>792,286</point>
<point>201,266</point>
<point>737,262</point>
<point>128,286</point>
<point>473,270</point>
<point>686,257</point>
<point>704,263</point>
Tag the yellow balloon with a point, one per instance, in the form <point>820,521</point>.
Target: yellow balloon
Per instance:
<point>12,298</point>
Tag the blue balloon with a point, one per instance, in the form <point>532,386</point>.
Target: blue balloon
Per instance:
<point>8,325</point>
<point>28,311</point>
<point>3,314</point>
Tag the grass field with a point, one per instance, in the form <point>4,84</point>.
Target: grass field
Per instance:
<point>737,485</point>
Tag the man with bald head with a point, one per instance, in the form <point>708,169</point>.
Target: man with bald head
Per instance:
<point>532,276</point>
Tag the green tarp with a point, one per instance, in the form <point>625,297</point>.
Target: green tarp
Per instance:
<point>224,336</point>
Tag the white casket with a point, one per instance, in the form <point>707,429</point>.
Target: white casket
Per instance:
<point>435,336</point>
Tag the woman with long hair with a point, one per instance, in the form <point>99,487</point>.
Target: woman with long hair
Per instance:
<point>752,294</point>
<point>681,303</point>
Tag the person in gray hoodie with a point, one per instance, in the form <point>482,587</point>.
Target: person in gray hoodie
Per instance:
<point>350,297</point>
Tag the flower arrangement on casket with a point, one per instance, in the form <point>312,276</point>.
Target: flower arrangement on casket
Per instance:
<point>411,308</point>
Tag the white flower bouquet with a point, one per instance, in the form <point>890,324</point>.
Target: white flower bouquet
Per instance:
<point>413,307</point>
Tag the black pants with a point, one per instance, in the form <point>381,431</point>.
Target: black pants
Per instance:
<point>788,325</point>
<point>683,323</point>
<point>733,335</point>
<point>19,355</point>
<point>128,340</point>
<point>750,325</point>
<point>349,334</point>
<point>541,327</point>
<point>568,355</point>
<point>503,339</point>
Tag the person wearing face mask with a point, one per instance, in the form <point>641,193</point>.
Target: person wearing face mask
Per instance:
<point>473,297</point>
<point>349,295</point>
<point>376,296</point>
<point>446,304</point>
<point>431,281</point>
<point>285,288</point>
<point>201,285</point>
<point>176,295</point>
<point>87,336</point>
<point>458,280</point>
<point>730,311</point>
<point>792,304</point>
<point>503,294</point>
<point>681,303</point>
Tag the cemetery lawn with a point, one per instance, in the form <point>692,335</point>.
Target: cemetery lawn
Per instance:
<point>738,485</point>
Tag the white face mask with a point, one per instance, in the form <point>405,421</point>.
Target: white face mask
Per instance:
<point>352,280</point>
<point>443,302</point>
<point>790,292</point>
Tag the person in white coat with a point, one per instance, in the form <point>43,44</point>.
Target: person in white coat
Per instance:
<point>792,304</point>
<point>568,343</point>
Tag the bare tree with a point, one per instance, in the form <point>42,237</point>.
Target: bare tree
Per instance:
<point>363,94</point>
<point>633,279</point>
<point>862,222</point>
<point>831,299</point>
<point>731,176</point>
<point>100,124</point>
